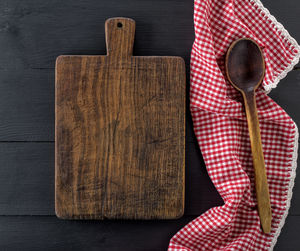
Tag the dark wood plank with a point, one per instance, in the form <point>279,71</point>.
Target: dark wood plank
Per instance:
<point>75,28</point>
<point>120,132</point>
<point>287,13</point>
<point>50,233</point>
<point>287,95</point>
<point>27,180</point>
<point>34,32</point>
<point>289,238</point>
<point>27,105</point>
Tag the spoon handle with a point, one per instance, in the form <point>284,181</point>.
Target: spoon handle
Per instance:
<point>261,183</point>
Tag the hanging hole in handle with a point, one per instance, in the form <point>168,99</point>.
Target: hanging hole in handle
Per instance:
<point>119,25</point>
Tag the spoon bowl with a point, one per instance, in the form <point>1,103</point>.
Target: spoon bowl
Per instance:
<point>245,66</point>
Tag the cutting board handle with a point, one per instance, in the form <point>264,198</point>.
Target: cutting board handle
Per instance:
<point>119,33</point>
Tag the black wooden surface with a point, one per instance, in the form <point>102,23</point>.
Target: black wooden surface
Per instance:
<point>32,34</point>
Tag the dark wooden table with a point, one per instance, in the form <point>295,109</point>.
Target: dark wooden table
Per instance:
<point>32,34</point>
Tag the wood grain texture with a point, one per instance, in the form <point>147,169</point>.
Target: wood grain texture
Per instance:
<point>120,132</point>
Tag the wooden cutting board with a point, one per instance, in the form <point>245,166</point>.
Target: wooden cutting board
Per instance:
<point>119,132</point>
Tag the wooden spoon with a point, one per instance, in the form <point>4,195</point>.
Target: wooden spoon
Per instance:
<point>245,69</point>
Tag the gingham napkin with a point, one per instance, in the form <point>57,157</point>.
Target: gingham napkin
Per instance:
<point>221,128</point>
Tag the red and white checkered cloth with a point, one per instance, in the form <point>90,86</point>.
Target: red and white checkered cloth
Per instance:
<point>221,128</point>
